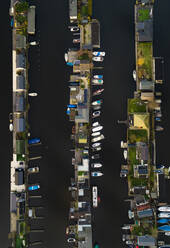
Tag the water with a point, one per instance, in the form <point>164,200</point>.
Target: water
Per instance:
<point>48,121</point>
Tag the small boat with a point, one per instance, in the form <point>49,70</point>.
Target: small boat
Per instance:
<point>163,221</point>
<point>96,145</point>
<point>96,114</point>
<point>164,209</point>
<point>134,75</point>
<point>99,54</point>
<point>125,154</point>
<point>97,128</point>
<point>96,165</point>
<point>98,76</point>
<point>11,127</point>
<point>98,102</point>
<point>98,92</point>
<point>164,215</point>
<point>32,94</point>
<point>66,57</point>
<point>97,174</point>
<point>96,134</point>
<point>97,81</point>
<point>95,124</point>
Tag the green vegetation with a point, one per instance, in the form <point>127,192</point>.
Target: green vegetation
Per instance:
<point>21,19</point>
<point>81,173</point>
<point>143,15</point>
<point>21,7</point>
<point>20,157</point>
<point>135,105</point>
<point>137,135</point>
<point>145,65</point>
<point>84,56</point>
<point>139,182</point>
<point>84,10</point>
<point>22,228</point>
<point>132,155</point>
<point>138,230</point>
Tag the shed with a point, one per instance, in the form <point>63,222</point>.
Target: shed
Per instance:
<point>20,82</point>
<point>20,146</point>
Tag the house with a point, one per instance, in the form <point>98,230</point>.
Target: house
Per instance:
<point>146,241</point>
<point>20,82</point>
<point>19,103</point>
<point>146,86</point>
<point>145,213</point>
<point>139,190</point>
<point>20,61</point>
<point>145,31</point>
<point>19,124</point>
<point>20,41</point>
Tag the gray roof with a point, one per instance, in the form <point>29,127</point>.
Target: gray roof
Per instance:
<point>19,177</point>
<point>31,20</point>
<point>142,169</point>
<point>20,41</point>
<point>20,61</point>
<point>145,30</point>
<point>19,104</point>
<point>146,85</point>
<point>73,9</point>
<point>145,213</point>
<point>20,82</point>
<point>13,205</point>
<point>146,240</point>
<point>19,124</point>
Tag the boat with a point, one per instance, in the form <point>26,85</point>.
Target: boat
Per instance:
<point>99,54</point>
<point>98,76</point>
<point>134,75</point>
<point>11,127</point>
<point>164,209</point>
<point>97,174</point>
<point>125,154</point>
<point>66,57</point>
<point>96,165</point>
<point>98,102</point>
<point>95,134</point>
<point>164,215</point>
<point>95,124</point>
<point>96,129</point>
<point>98,92</point>
<point>97,81</point>
<point>163,221</point>
<point>96,144</point>
<point>33,94</point>
<point>165,228</point>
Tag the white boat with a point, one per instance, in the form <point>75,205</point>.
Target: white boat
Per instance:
<point>95,124</point>
<point>125,154</point>
<point>96,114</point>
<point>96,149</point>
<point>96,134</point>
<point>99,54</point>
<point>97,81</point>
<point>134,75</point>
<point>98,102</point>
<point>167,234</point>
<point>66,57</point>
<point>33,43</point>
<point>94,192</point>
<point>96,129</point>
<point>164,209</point>
<point>33,94</point>
<point>98,92</point>
<point>97,174</point>
<point>98,59</point>
<point>96,145</point>
<point>96,165</point>
<point>98,76</point>
<point>11,127</point>
<point>164,215</point>
<point>96,139</point>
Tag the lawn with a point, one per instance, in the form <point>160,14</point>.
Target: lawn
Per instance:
<point>137,135</point>
<point>135,105</point>
<point>139,182</point>
<point>132,155</point>
<point>84,10</point>
<point>145,60</point>
<point>143,15</point>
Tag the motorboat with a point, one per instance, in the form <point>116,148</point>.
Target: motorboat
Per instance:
<point>33,94</point>
<point>98,59</point>
<point>164,215</point>
<point>96,165</point>
<point>164,209</point>
<point>96,129</point>
<point>98,92</point>
<point>99,54</point>
<point>96,114</point>
<point>95,124</point>
<point>96,149</point>
<point>96,144</point>
<point>98,102</point>
<point>96,139</point>
<point>66,57</point>
<point>97,174</point>
<point>134,75</point>
<point>96,134</point>
<point>98,76</point>
<point>125,154</point>
<point>97,81</point>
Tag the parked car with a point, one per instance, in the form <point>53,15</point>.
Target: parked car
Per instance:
<point>98,76</point>
<point>74,29</point>
<point>98,59</point>
<point>96,114</point>
<point>96,129</point>
<point>96,134</point>
<point>96,144</point>
<point>99,54</point>
<point>76,41</point>
<point>96,139</point>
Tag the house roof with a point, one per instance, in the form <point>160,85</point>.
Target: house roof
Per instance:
<point>142,169</point>
<point>145,30</point>
<point>20,61</point>
<point>20,41</point>
<point>145,213</point>
<point>145,240</point>
<point>146,85</point>
<point>20,82</point>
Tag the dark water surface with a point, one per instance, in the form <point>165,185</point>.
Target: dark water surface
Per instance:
<point>48,119</point>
